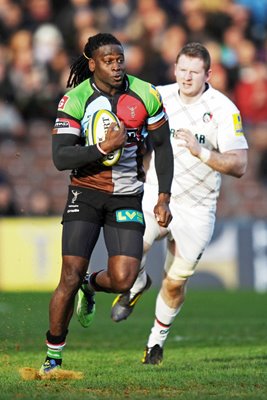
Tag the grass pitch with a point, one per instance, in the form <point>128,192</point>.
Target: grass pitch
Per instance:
<point>217,349</point>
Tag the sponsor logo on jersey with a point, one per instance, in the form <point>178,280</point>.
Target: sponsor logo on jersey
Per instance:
<point>155,93</point>
<point>134,135</point>
<point>129,216</point>
<point>63,102</point>
<point>207,117</point>
<point>61,123</point>
<point>238,124</point>
<point>64,125</point>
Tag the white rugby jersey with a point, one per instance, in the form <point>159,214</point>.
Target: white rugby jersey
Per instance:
<point>216,123</point>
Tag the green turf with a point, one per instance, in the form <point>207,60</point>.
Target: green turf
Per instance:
<point>217,349</point>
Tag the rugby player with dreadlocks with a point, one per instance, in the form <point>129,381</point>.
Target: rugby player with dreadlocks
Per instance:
<point>99,194</point>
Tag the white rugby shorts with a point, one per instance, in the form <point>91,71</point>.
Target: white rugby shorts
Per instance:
<point>191,228</point>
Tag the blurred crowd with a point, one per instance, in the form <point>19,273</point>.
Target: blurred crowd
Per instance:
<point>40,39</point>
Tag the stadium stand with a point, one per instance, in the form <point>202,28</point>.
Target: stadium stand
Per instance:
<point>39,38</point>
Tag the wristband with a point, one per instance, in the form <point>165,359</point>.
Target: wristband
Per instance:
<point>204,155</point>
<point>101,150</point>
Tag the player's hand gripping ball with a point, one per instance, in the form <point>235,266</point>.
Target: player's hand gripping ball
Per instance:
<point>96,133</point>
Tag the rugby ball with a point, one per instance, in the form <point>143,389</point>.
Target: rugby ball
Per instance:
<point>96,133</point>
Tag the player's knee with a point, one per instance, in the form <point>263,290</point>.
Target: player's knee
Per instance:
<point>179,269</point>
<point>174,288</point>
<point>73,271</point>
<point>123,272</point>
<point>121,285</point>
<point>123,280</point>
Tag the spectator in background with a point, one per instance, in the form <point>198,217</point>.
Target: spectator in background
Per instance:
<point>146,23</point>
<point>232,38</point>
<point>37,12</point>
<point>39,204</point>
<point>82,37</point>
<point>136,62</point>
<point>149,28</point>
<point>246,53</point>
<point>116,17</point>
<point>196,25</point>
<point>173,39</point>
<point>83,20</point>
<point>58,70</point>
<point>50,56</point>
<point>148,68</point>
<point>155,24</point>
<point>251,93</point>
<point>65,20</point>
<point>146,28</point>
<point>28,79</point>
<point>11,19</point>
<point>12,125</point>
<point>47,40</point>
<point>218,17</point>
<point>259,143</point>
<point>258,19</point>
<point>8,207</point>
<point>28,73</point>
<point>219,78</point>
<point>6,90</point>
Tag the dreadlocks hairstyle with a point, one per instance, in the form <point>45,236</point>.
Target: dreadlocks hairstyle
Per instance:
<point>79,70</point>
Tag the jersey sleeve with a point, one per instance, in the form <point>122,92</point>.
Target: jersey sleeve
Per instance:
<point>230,129</point>
<point>157,116</point>
<point>71,110</point>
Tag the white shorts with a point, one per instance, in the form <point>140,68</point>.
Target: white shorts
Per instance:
<point>191,228</point>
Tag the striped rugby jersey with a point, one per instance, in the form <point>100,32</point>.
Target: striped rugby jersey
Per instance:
<point>216,123</point>
<point>138,105</point>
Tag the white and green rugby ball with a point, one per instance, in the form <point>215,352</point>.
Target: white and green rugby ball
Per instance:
<point>96,133</point>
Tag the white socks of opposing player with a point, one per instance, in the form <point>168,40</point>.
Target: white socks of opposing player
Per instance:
<point>162,323</point>
<point>139,284</point>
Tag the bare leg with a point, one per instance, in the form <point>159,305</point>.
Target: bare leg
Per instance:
<point>173,291</point>
<point>62,301</point>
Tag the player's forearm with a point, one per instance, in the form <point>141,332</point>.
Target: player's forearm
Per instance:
<point>163,158</point>
<point>68,155</point>
<point>164,198</point>
<point>232,163</point>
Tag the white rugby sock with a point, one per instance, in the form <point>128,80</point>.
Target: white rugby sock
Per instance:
<point>162,323</point>
<point>139,283</point>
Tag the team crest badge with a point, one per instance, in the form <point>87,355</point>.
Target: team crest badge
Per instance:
<point>207,117</point>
